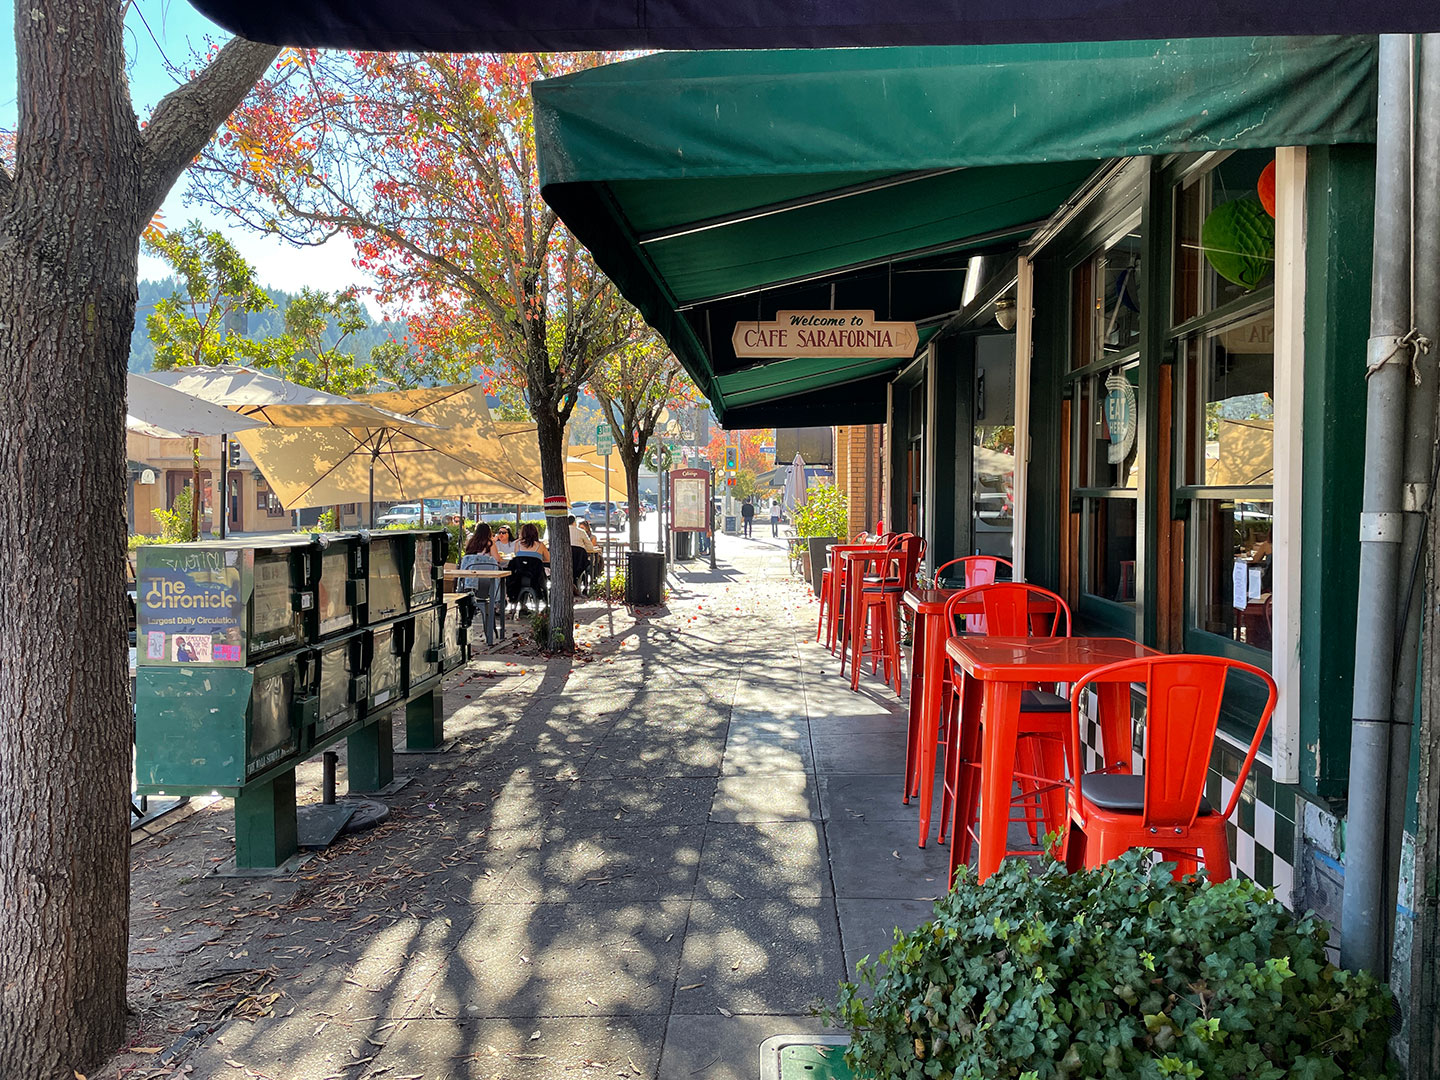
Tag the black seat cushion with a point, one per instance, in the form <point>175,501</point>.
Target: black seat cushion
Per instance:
<point>876,579</point>
<point>1121,793</point>
<point>1042,701</point>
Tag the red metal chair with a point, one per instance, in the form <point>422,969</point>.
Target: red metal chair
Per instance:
<point>880,608</point>
<point>1010,609</point>
<point>975,570</point>
<point>1164,807</point>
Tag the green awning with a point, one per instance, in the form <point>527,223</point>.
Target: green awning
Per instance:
<point>705,180</point>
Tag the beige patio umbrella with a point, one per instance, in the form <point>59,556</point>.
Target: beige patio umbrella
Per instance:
<point>324,449</point>
<point>584,474</point>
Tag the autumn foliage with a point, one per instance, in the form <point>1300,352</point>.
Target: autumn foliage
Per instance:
<point>428,164</point>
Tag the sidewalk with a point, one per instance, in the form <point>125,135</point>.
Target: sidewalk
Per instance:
<point>642,865</point>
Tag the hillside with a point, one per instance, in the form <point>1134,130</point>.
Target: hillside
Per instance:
<point>264,324</point>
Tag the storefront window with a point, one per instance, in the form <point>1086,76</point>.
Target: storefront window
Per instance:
<point>1106,302</point>
<point>1234,541</point>
<point>1244,232</point>
<point>1230,378</point>
<point>1108,426</point>
<point>1112,534</point>
<point>1225,397</point>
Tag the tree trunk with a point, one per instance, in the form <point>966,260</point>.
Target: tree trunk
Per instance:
<point>67,287</point>
<point>70,219</point>
<point>551,434</point>
<point>632,481</point>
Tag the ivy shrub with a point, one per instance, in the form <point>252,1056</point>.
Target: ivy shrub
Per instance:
<point>1118,972</point>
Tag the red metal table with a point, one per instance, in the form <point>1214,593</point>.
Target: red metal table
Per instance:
<point>856,560</point>
<point>837,594</point>
<point>927,684</point>
<point>997,669</point>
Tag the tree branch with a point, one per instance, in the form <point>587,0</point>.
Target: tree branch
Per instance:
<point>187,117</point>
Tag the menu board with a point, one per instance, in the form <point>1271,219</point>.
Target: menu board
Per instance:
<point>190,606</point>
<point>689,496</point>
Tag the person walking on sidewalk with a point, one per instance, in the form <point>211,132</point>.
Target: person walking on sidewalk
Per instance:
<point>774,517</point>
<point>747,515</point>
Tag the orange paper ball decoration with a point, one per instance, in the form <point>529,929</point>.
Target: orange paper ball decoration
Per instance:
<point>1265,188</point>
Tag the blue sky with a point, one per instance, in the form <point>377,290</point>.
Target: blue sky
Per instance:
<point>157,30</point>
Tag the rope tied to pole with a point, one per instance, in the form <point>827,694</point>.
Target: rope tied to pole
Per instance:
<point>1387,349</point>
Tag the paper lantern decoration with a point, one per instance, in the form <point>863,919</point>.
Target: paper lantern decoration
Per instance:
<point>1265,188</point>
<point>1238,239</point>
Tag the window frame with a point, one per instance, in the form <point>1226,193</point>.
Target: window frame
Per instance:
<point>1102,612</point>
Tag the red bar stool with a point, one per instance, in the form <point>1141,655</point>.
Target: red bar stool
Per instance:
<point>833,583</point>
<point>1164,807</point>
<point>880,607</point>
<point>1010,609</point>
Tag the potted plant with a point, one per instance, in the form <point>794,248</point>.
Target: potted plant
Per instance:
<point>1120,972</point>
<point>822,519</point>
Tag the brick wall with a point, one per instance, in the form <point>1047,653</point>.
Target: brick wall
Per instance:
<point>855,470</point>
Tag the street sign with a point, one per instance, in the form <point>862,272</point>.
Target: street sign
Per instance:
<point>604,440</point>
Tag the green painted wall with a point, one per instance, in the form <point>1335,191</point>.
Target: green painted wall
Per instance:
<point>1340,210</point>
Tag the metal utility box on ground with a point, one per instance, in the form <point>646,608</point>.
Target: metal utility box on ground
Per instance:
<point>252,657</point>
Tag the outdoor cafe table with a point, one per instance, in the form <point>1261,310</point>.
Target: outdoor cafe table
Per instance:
<point>857,559</point>
<point>999,668</point>
<point>927,682</point>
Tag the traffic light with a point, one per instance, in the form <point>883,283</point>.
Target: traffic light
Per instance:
<point>234,453</point>
<point>732,457</point>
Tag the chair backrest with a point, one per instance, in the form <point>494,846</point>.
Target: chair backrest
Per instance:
<point>1016,609</point>
<point>974,570</point>
<point>1183,695</point>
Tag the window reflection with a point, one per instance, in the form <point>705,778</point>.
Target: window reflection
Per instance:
<point>1112,549</point>
<point>1233,575</point>
<point>1231,377</point>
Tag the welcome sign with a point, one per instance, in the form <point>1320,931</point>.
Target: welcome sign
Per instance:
<point>796,334</point>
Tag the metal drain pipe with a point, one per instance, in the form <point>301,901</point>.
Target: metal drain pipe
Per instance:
<point>1419,468</point>
<point>1363,920</point>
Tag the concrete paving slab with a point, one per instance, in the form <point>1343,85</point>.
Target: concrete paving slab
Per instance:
<point>871,753</point>
<point>879,860</point>
<point>717,1047</point>
<point>748,754</point>
<point>548,1048</point>
<point>640,753</point>
<point>624,803</point>
<point>584,959</point>
<point>867,927</point>
<point>747,861</point>
<point>602,862</point>
<point>776,796</point>
<point>871,797</point>
<point>766,956</point>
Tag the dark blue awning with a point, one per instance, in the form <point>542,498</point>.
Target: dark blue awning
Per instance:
<point>549,25</point>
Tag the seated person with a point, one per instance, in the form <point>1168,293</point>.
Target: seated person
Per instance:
<point>480,554</point>
<point>579,551</point>
<point>527,565</point>
<point>504,542</point>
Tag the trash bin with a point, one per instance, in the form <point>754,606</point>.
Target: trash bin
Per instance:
<point>683,545</point>
<point>644,577</point>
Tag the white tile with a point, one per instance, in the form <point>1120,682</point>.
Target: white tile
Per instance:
<point>1245,853</point>
<point>1265,826</point>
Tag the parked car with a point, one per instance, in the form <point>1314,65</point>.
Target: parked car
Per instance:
<point>400,514</point>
